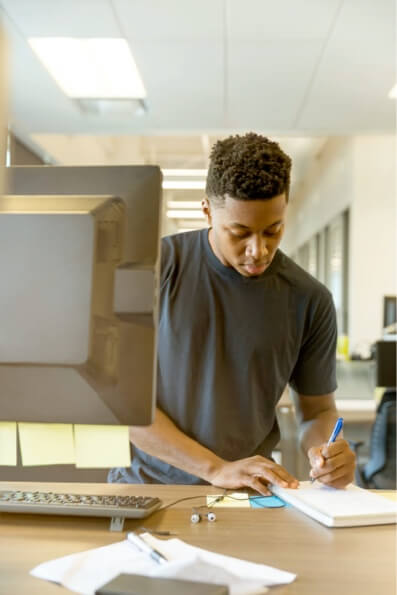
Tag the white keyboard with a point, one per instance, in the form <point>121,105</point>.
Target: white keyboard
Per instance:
<point>78,504</point>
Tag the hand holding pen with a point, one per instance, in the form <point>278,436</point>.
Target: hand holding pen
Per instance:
<point>333,463</point>
<point>335,433</point>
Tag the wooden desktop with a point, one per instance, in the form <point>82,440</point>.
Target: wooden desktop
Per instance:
<point>348,561</point>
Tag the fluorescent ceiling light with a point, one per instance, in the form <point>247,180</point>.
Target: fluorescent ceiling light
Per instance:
<point>184,184</point>
<point>199,173</point>
<point>90,68</point>
<point>175,214</point>
<point>112,107</point>
<point>393,92</point>
<point>191,223</point>
<point>183,204</point>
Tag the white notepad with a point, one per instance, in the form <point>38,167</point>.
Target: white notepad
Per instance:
<point>350,507</point>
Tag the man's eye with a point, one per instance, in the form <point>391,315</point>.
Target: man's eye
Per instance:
<point>272,233</point>
<point>239,235</point>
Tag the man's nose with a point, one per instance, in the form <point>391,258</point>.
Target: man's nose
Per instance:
<point>256,248</point>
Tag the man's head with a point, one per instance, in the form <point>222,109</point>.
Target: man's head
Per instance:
<point>247,189</point>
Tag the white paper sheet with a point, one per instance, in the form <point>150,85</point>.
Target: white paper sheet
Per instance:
<point>87,571</point>
<point>349,507</point>
<point>175,549</point>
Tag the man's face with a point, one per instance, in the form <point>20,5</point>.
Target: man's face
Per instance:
<point>245,234</point>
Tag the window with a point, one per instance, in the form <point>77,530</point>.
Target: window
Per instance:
<point>336,263</point>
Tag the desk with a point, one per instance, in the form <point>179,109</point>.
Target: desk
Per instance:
<point>354,561</point>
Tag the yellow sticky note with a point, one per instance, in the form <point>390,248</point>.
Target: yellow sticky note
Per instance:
<point>102,446</point>
<point>235,500</point>
<point>342,347</point>
<point>8,443</point>
<point>379,392</point>
<point>46,444</point>
<point>392,495</point>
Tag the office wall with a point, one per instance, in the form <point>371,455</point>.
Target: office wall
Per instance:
<point>372,235</point>
<point>326,191</point>
<point>356,173</point>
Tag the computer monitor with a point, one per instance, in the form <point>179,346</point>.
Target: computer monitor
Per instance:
<point>79,264</point>
<point>386,363</point>
<point>389,311</point>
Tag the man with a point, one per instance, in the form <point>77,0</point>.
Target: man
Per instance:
<point>238,322</point>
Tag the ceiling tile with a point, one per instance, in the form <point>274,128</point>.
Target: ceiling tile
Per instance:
<point>267,82</point>
<point>356,72</point>
<point>53,18</point>
<point>285,19</point>
<point>171,20</point>
<point>184,82</point>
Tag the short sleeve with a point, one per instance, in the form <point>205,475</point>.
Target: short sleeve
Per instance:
<point>315,370</point>
<point>166,260</point>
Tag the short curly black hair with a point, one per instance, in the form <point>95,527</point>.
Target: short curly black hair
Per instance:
<point>248,167</point>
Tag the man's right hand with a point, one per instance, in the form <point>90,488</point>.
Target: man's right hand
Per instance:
<point>254,472</point>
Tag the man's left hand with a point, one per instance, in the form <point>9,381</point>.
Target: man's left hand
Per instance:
<point>333,464</point>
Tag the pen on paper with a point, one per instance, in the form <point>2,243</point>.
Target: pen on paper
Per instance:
<point>145,547</point>
<point>335,433</point>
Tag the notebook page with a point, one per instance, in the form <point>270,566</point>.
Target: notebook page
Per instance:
<point>350,502</point>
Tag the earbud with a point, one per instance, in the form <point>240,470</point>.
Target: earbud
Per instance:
<point>197,516</point>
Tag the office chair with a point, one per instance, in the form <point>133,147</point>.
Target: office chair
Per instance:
<point>380,470</point>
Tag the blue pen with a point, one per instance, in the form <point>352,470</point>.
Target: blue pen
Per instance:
<point>334,435</point>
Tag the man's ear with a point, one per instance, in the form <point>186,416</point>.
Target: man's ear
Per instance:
<point>206,208</point>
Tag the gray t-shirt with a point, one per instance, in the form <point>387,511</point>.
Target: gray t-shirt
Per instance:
<point>227,347</point>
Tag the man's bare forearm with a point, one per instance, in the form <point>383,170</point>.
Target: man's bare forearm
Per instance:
<point>314,432</point>
<point>316,416</point>
<point>165,441</point>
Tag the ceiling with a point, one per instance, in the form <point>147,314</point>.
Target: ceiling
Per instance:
<point>291,67</point>
<point>296,70</point>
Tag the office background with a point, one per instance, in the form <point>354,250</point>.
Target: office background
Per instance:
<point>315,76</point>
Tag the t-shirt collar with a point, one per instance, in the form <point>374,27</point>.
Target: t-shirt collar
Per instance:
<point>230,272</point>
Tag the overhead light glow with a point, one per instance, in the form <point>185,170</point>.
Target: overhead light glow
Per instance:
<point>184,184</point>
<point>183,204</point>
<point>393,92</point>
<point>191,223</point>
<point>90,68</point>
<point>175,214</point>
<point>199,173</point>
<point>112,107</point>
